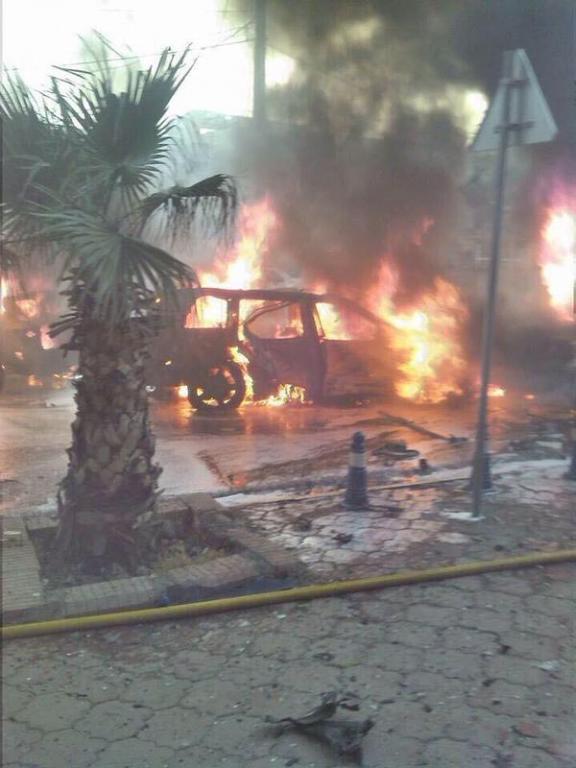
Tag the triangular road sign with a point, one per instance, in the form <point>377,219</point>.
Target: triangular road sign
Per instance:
<point>530,122</point>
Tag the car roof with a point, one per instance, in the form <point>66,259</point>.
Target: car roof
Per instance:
<point>284,294</point>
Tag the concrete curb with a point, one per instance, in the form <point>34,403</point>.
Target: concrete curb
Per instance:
<point>254,564</point>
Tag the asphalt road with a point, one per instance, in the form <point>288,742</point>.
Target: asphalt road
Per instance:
<point>217,454</point>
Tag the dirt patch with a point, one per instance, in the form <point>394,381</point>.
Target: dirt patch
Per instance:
<point>182,543</point>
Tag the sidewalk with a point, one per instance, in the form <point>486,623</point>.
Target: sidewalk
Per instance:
<point>472,673</point>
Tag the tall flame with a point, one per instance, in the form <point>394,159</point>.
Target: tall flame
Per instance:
<point>425,336</point>
<point>432,360</point>
<point>239,267</point>
<point>3,294</point>
<point>558,259</point>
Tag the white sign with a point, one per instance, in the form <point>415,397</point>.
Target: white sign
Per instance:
<point>530,119</point>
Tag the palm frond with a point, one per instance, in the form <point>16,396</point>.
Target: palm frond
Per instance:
<point>215,197</point>
<point>38,162</point>
<point>113,268</point>
<point>126,132</point>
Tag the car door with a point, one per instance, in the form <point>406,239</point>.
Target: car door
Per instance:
<point>354,350</point>
<point>284,343</point>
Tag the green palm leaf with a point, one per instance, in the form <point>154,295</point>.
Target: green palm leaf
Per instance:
<point>215,197</point>
<point>115,269</point>
<point>127,134</point>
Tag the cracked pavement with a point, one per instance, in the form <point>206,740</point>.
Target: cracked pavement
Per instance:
<point>470,673</point>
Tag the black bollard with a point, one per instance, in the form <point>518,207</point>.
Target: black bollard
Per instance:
<point>356,495</point>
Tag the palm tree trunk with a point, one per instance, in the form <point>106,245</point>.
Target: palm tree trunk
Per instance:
<point>111,485</point>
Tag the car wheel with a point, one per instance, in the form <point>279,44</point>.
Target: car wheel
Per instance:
<point>223,388</point>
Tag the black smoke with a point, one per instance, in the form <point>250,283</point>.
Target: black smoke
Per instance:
<point>368,139</point>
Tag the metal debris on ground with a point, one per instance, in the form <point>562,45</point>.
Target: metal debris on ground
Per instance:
<point>424,467</point>
<point>400,421</point>
<point>344,736</point>
<point>396,450</point>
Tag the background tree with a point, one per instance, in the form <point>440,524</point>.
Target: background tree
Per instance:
<point>83,167</point>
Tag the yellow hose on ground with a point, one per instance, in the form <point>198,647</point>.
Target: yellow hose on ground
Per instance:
<point>310,592</point>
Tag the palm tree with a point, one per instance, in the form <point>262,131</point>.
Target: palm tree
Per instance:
<point>83,168</point>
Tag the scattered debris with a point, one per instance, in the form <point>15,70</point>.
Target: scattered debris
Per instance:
<point>344,736</point>
<point>396,450</point>
<point>530,730</point>
<point>424,467</point>
<point>550,666</point>
<point>400,421</point>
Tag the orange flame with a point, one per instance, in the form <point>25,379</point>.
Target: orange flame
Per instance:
<point>427,338</point>
<point>4,291</point>
<point>46,340</point>
<point>182,392</point>
<point>30,308</point>
<point>558,259</point>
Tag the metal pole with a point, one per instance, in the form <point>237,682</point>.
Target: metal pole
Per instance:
<point>481,468</point>
<point>259,92</point>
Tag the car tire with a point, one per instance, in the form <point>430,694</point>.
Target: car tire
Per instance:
<point>231,371</point>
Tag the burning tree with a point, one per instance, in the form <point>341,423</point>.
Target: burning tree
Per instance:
<point>84,164</point>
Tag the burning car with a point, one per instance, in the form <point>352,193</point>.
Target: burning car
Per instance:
<point>228,346</point>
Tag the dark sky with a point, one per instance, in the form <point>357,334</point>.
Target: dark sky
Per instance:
<point>546,29</point>
<point>453,40</point>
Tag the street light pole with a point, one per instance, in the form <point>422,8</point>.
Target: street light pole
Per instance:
<point>481,475</point>
<point>259,83</point>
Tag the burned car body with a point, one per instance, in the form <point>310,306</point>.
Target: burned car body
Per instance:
<point>226,345</point>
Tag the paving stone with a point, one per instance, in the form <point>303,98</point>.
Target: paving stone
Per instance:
<point>193,664</point>
<point>177,727</point>
<point>201,757</point>
<point>535,647</point>
<point>556,698</point>
<point>501,696</point>
<point>480,727</point>
<point>486,620</point>
<point>13,699</point>
<point>551,606</point>
<point>129,753</point>
<point>156,693</point>
<point>113,720</point>
<point>541,625</point>
<point>412,634</point>
<point>53,711</point>
<point>445,753</point>
<point>430,614</point>
<point>437,698</point>
<point>501,601</point>
<point>373,685</point>
<point>238,735</point>
<point>313,679</point>
<point>397,658</point>
<point>441,687</point>
<point>470,640</point>
<point>213,697</point>
<point>514,585</point>
<point>536,758</point>
<point>450,663</point>
<point>382,749</point>
<point>17,739</point>
<point>65,748</point>
<point>452,597</point>
<point>514,670</point>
